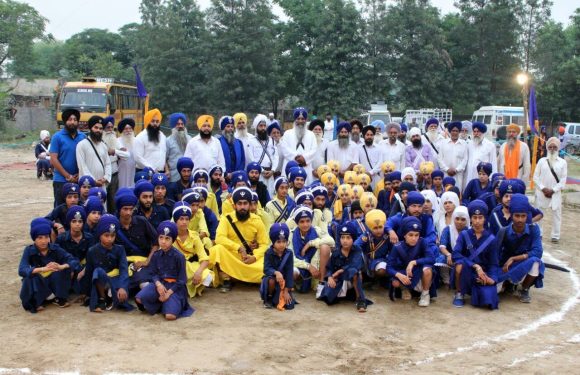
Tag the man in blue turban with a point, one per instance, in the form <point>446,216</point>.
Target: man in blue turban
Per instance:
<point>299,143</point>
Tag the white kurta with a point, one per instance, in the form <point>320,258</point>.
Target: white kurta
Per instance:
<point>453,155</point>
<point>524,162</point>
<point>320,157</point>
<point>89,163</point>
<point>329,130</point>
<point>485,152</point>
<point>247,147</point>
<point>150,154</point>
<point>205,154</point>
<point>290,149</point>
<point>371,159</point>
<point>543,178</point>
<point>267,155</point>
<point>394,152</point>
<point>345,157</point>
<point>435,148</point>
<point>126,163</point>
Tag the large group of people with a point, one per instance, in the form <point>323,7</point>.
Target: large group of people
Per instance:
<point>152,221</point>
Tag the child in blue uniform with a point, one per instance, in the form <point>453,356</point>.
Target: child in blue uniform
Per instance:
<point>45,269</point>
<point>168,292</point>
<point>70,194</point>
<point>520,246</point>
<point>94,209</point>
<point>375,244</point>
<point>500,217</point>
<point>278,280</point>
<point>478,186</point>
<point>410,262</point>
<point>476,261</point>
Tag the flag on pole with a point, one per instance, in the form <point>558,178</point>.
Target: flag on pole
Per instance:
<point>533,119</point>
<point>141,90</point>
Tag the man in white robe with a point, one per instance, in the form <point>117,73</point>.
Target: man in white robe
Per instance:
<point>479,150</point>
<point>392,148</point>
<point>299,144</point>
<point>264,151</point>
<point>452,156</point>
<point>370,154</point>
<point>241,125</point>
<point>343,149</point>
<point>514,148</point>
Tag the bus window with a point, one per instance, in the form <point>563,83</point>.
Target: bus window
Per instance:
<point>487,120</point>
<point>93,100</point>
<point>518,120</point>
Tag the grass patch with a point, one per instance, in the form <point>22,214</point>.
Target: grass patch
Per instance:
<point>12,135</point>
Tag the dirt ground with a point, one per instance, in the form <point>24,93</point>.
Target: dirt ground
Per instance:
<point>234,334</point>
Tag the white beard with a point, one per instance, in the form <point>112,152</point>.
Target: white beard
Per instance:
<point>552,157</point>
<point>241,133</point>
<point>180,137</point>
<point>110,140</point>
<point>127,140</point>
<point>432,135</point>
<point>299,131</point>
<point>318,138</point>
<point>378,138</point>
<point>477,140</point>
<point>463,136</point>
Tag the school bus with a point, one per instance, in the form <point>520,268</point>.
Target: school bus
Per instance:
<point>103,97</point>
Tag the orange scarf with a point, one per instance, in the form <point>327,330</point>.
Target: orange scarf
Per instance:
<point>512,161</point>
<point>281,303</point>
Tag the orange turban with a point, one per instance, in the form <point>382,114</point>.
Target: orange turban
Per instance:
<point>150,115</point>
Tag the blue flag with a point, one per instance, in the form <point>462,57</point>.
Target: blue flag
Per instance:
<point>533,119</point>
<point>141,90</point>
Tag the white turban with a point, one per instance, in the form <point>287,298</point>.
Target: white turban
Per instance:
<point>258,119</point>
<point>414,131</point>
<point>44,134</point>
<point>553,140</point>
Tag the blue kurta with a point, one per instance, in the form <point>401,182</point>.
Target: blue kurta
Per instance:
<point>76,249</point>
<point>402,254</point>
<point>352,266</point>
<point>234,155</point>
<point>497,219</point>
<point>428,232</point>
<point>513,244</point>
<point>211,221</point>
<point>383,201</point>
<point>158,215</point>
<point>474,190</point>
<point>283,264</point>
<point>58,215</point>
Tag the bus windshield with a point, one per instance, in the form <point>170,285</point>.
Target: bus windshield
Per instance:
<point>384,118</point>
<point>84,99</point>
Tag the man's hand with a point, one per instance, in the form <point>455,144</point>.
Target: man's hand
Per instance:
<point>81,274</point>
<point>449,260</point>
<point>254,245</point>
<point>111,152</point>
<point>410,268</point>
<point>331,282</point>
<point>287,297</point>
<point>315,272</point>
<point>249,259</point>
<point>393,237</point>
<point>279,277</point>
<point>451,172</point>
<point>197,277</point>
<point>403,278</point>
<point>267,174</point>
<point>53,266</point>
<point>548,192</point>
<point>300,160</point>
<point>305,248</point>
<point>122,295</point>
<point>507,264</point>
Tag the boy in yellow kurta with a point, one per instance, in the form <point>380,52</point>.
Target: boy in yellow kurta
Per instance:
<point>240,256</point>
<point>280,207</point>
<point>188,242</point>
<point>197,222</point>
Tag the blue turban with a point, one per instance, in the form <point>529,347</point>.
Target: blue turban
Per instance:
<point>414,197</point>
<point>408,186</point>
<point>239,176</point>
<point>176,116</point>
<point>108,119</point>
<point>226,120</point>
<point>484,167</point>
<point>273,125</point>
<point>291,164</point>
<point>343,125</point>
<point>454,125</point>
<point>87,181</point>
<point>507,187</point>
<point>297,172</point>
<point>242,193</point>
<point>125,200</point>
<point>159,179</point>
<point>404,128</point>
<point>202,190</point>
<point>279,181</point>
<point>448,181</point>
<point>167,228</point>
<point>254,166</point>
<point>200,173</point>
<point>411,224</point>
<point>75,212</point>
<point>477,207</point>
<point>394,176</point>
<point>319,190</point>
<point>142,187</point>
<point>181,209</point>
<point>301,212</point>
<point>520,186</point>
<point>479,126</point>
<point>124,190</point>
<point>349,228</point>
<point>98,193</point>
<point>431,121</point>
<point>150,171</point>
<point>303,195</point>
<point>107,224</point>
<point>437,173</point>
<point>519,204</point>
<point>279,231</point>
<point>184,162</point>
<point>379,125</point>
<point>255,197</point>
<point>141,176</point>
<point>190,196</point>
<point>215,168</point>
<point>40,227</point>
<point>300,112</point>
<point>69,188</point>
<point>94,204</point>
<point>124,123</point>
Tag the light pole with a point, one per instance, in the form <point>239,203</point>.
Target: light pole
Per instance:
<point>523,80</point>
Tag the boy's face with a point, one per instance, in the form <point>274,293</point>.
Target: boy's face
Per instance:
<point>460,223</point>
<point>76,225</point>
<point>146,200</point>
<point>358,214</point>
<point>160,192</point>
<point>307,203</point>
<point>395,185</point>
<point>182,222</point>
<point>415,210</point>
<point>85,191</point>
<point>165,242</point>
<point>388,185</point>
<point>483,177</point>
<point>304,224</point>
<point>185,174</point>
<point>412,238</point>
<point>201,180</point>
<point>319,202</point>
<point>41,242</point>
<point>427,178</point>
<point>449,206</point>
<point>403,194</point>
<point>378,231</point>
<point>364,184</point>
<point>408,178</point>
<point>93,217</point>
<point>298,183</point>
<point>330,187</point>
<point>280,245</point>
<point>108,239</point>
<point>346,241</point>
<point>428,207</point>
<point>202,202</point>
<point>253,207</point>
<point>194,207</point>
<point>506,199</point>
<point>345,199</point>
<point>72,199</point>
<point>437,181</point>
<point>477,221</point>
<point>282,191</point>
<point>125,212</point>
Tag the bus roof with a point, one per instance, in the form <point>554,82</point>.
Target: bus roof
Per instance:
<point>501,108</point>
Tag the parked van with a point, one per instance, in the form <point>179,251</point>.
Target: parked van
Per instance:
<point>572,137</point>
<point>379,111</point>
<point>497,118</point>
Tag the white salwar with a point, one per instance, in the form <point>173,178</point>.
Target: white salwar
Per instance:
<point>372,160</point>
<point>126,163</point>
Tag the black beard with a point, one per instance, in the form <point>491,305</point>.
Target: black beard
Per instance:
<point>262,135</point>
<point>96,137</point>
<point>153,134</point>
<point>215,183</point>
<point>205,135</point>
<point>253,181</point>
<point>72,130</point>
<point>243,216</point>
<point>416,143</point>
<point>369,142</point>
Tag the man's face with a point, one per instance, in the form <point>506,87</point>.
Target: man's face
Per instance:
<point>304,224</point>
<point>160,192</point>
<point>185,174</point>
<point>464,133</point>
<point>343,133</point>
<point>477,221</point>
<point>356,129</point>
<point>109,128</point>
<point>126,212</point>
<point>180,126</point>
<point>415,210</point>
<point>155,122</point>
<point>454,134</point>
<point>128,130</point>
<point>369,137</point>
<point>205,128</point>
<point>477,133</point>
<point>483,177</point>
<point>519,220</point>
<point>72,199</point>
<point>408,178</point>
<point>432,128</point>
<point>388,185</point>
<point>72,123</point>
<point>512,134</point>
<point>427,178</point>
<point>242,207</point>
<point>395,185</point>
<point>317,130</point>
<point>319,202</point>
<point>393,134</point>
<point>415,137</point>
<point>298,183</point>
<point>97,132</point>
<point>300,121</point>
<point>328,117</point>
<point>41,242</point>
<point>229,128</point>
<point>146,200</point>
<point>254,175</point>
<point>46,139</point>
<point>275,134</point>
<point>241,125</point>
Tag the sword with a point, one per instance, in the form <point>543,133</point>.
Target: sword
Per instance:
<point>555,267</point>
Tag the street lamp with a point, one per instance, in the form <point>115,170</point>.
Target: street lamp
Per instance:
<point>523,80</point>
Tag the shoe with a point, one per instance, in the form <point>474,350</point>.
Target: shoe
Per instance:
<point>268,304</point>
<point>525,296</point>
<point>425,299</point>
<point>458,300</point>
<point>226,286</point>
<point>555,240</point>
<point>361,306</point>
<point>140,306</point>
<point>108,303</point>
<point>101,305</point>
<point>61,302</point>
<point>319,289</point>
<point>406,294</point>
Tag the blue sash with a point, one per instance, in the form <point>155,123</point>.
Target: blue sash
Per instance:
<point>298,244</point>
<point>481,247</point>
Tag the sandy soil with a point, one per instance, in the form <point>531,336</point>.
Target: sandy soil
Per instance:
<point>233,334</point>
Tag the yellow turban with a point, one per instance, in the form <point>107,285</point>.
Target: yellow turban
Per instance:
<point>150,115</point>
<point>240,116</point>
<point>359,168</point>
<point>343,190</point>
<point>378,187</point>
<point>329,177</point>
<point>203,119</point>
<point>334,165</point>
<point>357,192</point>
<point>375,219</point>
<point>368,201</point>
<point>387,167</point>
<point>322,170</point>
<point>363,178</point>
<point>514,127</point>
<point>426,167</point>
<point>350,177</point>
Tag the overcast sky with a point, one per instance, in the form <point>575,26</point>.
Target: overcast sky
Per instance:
<point>68,17</point>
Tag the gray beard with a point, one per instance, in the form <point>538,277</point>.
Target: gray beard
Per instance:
<point>378,138</point>
<point>229,136</point>
<point>511,142</point>
<point>343,142</point>
<point>432,135</point>
<point>463,136</point>
<point>110,140</point>
<point>299,131</point>
<point>477,140</point>
<point>180,137</point>
<point>128,140</point>
<point>355,137</point>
